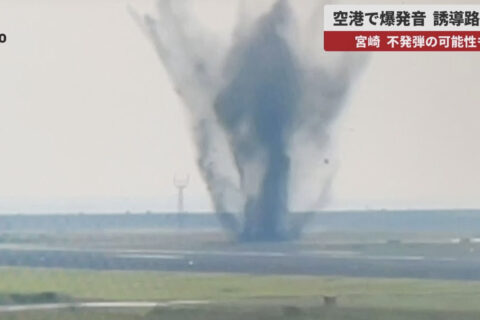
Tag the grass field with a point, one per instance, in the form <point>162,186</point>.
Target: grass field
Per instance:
<point>229,312</point>
<point>245,296</point>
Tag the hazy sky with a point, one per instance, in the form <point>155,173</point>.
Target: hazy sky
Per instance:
<point>89,120</point>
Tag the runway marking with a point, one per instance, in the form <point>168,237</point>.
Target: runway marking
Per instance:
<point>405,258</point>
<point>147,251</point>
<point>94,305</point>
<point>332,253</point>
<point>149,256</point>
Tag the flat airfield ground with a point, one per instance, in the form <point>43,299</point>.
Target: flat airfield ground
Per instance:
<point>433,256</point>
<point>371,276</point>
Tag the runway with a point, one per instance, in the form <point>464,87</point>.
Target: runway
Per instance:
<point>96,305</point>
<point>322,263</point>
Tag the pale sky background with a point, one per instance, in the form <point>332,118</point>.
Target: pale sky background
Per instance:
<point>89,121</point>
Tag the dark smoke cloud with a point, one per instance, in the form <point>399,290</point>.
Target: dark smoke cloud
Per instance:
<point>261,113</point>
<point>257,109</point>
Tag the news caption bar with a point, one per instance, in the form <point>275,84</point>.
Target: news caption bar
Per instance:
<point>401,28</point>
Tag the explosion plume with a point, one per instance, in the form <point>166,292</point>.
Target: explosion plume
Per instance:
<point>262,112</point>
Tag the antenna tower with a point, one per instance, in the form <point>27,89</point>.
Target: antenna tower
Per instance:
<point>180,183</point>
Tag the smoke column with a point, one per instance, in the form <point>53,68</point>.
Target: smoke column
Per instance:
<point>261,112</point>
